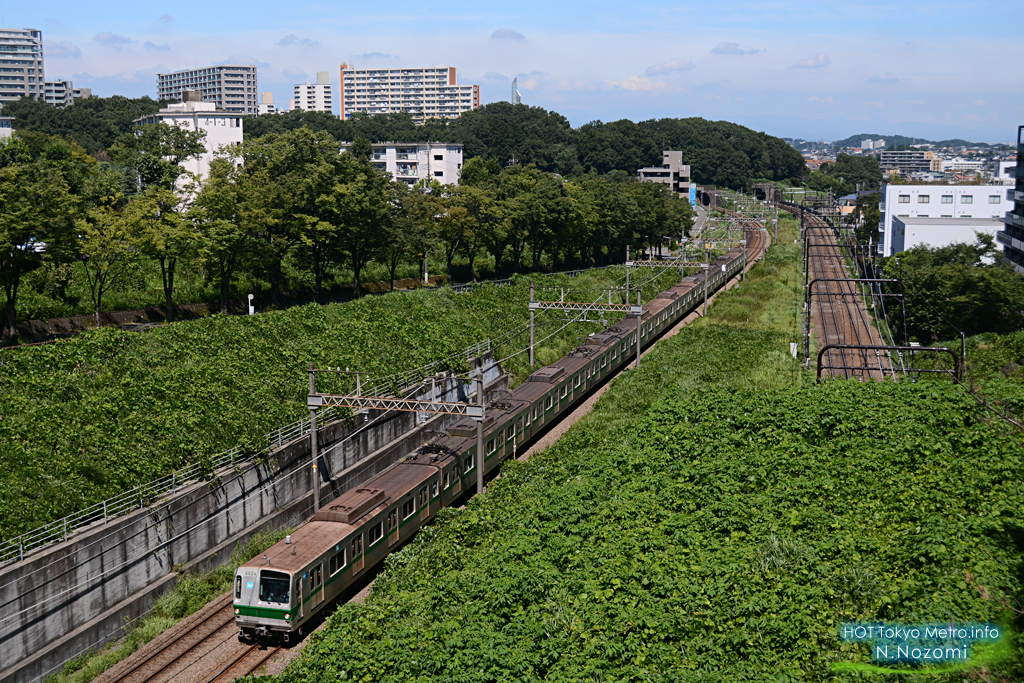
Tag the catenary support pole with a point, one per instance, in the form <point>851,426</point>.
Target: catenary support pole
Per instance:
<point>639,325</point>
<point>627,273</point>
<point>312,441</point>
<point>480,434</point>
<point>532,360</point>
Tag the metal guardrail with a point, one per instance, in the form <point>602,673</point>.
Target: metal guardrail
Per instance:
<point>60,530</point>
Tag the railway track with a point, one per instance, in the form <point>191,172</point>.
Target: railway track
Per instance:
<point>202,649</point>
<point>837,312</point>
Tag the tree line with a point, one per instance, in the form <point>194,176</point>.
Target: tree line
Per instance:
<point>718,152</point>
<point>293,198</point>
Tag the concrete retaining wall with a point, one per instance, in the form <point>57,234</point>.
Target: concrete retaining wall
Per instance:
<point>81,594</point>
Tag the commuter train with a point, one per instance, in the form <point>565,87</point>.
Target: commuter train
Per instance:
<point>277,593</point>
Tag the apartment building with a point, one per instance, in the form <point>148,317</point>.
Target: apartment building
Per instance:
<point>421,92</point>
<point>907,162</point>
<point>222,128</point>
<point>315,96</point>
<point>672,172</point>
<point>6,130</point>
<point>266,105</point>
<point>410,162</point>
<point>1012,234</point>
<point>59,93</point>
<point>21,64</point>
<point>231,87</point>
<point>938,215</point>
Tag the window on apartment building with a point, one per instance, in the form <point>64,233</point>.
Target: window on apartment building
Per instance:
<point>993,199</point>
<point>439,173</point>
<point>438,157</point>
<point>967,199</point>
<point>947,199</point>
<point>923,199</point>
<point>904,199</point>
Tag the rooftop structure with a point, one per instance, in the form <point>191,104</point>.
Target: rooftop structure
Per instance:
<point>422,93</point>
<point>21,64</point>
<point>266,105</point>
<point>410,162</point>
<point>231,87</point>
<point>907,162</point>
<point>222,128</point>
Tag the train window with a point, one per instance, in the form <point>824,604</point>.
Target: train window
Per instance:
<point>519,424</point>
<point>490,446</point>
<point>376,531</point>
<point>423,497</point>
<point>337,562</point>
<point>579,378</point>
<point>511,433</point>
<point>408,507</point>
<point>565,390</point>
<point>526,419</point>
<point>458,470</point>
<point>467,464</point>
<point>447,479</point>
<point>274,586</point>
<point>357,546</point>
<point>536,413</point>
<point>316,577</point>
<point>547,403</point>
<point>392,520</point>
<point>433,489</point>
<point>238,587</point>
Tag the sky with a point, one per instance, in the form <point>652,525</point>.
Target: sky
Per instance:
<point>814,69</point>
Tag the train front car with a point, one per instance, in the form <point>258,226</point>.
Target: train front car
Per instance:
<point>265,601</point>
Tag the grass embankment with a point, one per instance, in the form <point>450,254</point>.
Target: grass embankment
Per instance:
<point>190,594</point>
<point>716,518</point>
<point>87,418</point>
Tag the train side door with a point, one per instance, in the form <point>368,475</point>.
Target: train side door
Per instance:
<point>299,585</point>
<point>393,527</point>
<point>423,503</point>
<point>316,584</point>
<point>358,560</point>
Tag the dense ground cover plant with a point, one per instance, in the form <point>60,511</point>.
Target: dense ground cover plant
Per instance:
<point>716,518</point>
<point>86,418</point>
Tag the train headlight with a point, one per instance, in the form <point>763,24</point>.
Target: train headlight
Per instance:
<point>237,611</point>
<point>288,617</point>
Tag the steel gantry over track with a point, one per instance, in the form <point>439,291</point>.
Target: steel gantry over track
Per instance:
<point>316,400</point>
<point>585,307</point>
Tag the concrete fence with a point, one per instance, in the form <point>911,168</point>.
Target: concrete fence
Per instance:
<point>80,594</point>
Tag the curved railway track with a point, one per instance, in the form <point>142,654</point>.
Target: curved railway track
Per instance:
<point>838,314</point>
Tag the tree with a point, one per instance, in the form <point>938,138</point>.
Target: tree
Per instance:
<point>221,212</point>
<point>411,212</point>
<point>156,152</point>
<point>36,217</point>
<point>105,247</point>
<point>159,220</point>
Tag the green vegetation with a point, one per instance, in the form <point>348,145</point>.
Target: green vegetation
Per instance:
<point>715,519</point>
<point>846,175</point>
<point>954,285</point>
<point>86,418</point>
<point>191,593</point>
<point>718,152</point>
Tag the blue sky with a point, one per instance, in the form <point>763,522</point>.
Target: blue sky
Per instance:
<point>817,70</point>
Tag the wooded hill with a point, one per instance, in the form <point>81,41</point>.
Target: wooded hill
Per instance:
<point>719,152</point>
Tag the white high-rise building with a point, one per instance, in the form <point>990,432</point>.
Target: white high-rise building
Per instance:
<point>423,93</point>
<point>516,97</point>
<point>315,96</point>
<point>59,93</point>
<point>21,64</point>
<point>867,144</point>
<point>222,128</point>
<point>231,87</point>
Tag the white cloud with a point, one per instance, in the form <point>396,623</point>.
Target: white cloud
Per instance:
<point>670,66</point>
<point>374,55</point>
<point>115,40</point>
<point>528,84</point>
<point>823,100</point>
<point>507,34</point>
<point>166,18</point>
<point>495,76</point>
<point>292,39</point>
<point>63,48</point>
<point>732,49</point>
<point>294,72</point>
<point>637,84</point>
<point>816,62</point>
<point>156,46</point>
<point>979,103</point>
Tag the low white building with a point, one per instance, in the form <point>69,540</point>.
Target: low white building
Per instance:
<point>410,162</point>
<point>6,130</point>
<point>1005,172</point>
<point>317,96</point>
<point>960,164</point>
<point>958,206</point>
<point>222,128</point>
<point>266,105</point>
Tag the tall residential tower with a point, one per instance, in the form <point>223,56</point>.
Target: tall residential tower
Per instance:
<point>21,64</point>
<point>315,96</point>
<point>421,92</point>
<point>231,87</point>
